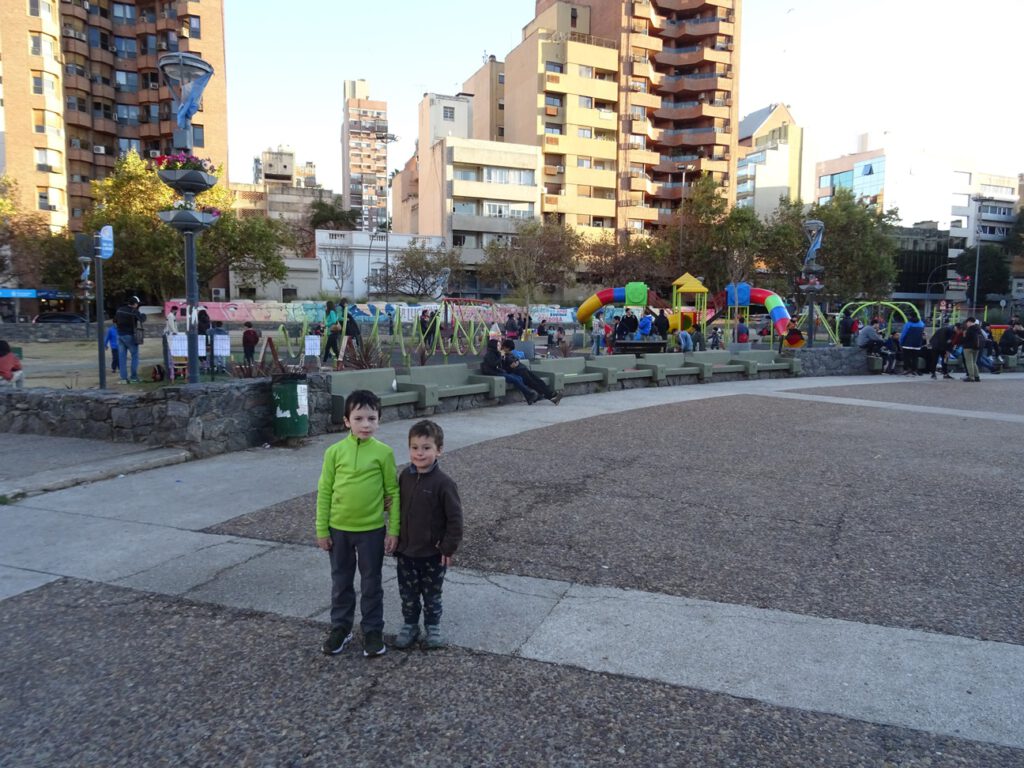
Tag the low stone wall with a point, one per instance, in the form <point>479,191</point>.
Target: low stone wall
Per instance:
<point>31,332</point>
<point>207,419</point>
<point>831,361</point>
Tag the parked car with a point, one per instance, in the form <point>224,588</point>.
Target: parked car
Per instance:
<point>59,317</point>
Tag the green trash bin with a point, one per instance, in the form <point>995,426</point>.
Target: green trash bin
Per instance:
<point>291,405</point>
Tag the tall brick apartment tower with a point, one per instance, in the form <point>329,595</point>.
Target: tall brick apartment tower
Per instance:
<point>81,85</point>
<point>678,118</point>
<point>364,155</point>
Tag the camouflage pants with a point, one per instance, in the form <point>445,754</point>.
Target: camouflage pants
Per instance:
<point>420,580</point>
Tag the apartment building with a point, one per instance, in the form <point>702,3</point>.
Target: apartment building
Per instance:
<point>637,101</point>
<point>486,89</point>
<point>984,209</point>
<point>770,161</point>
<point>349,259</point>
<point>364,155</point>
<point>81,85</point>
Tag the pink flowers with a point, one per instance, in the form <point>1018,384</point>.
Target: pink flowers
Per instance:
<point>183,162</point>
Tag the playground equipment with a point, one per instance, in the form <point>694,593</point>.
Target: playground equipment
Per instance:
<point>748,295</point>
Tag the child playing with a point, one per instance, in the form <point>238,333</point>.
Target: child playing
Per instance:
<point>431,529</point>
<point>250,338</point>
<point>357,485</point>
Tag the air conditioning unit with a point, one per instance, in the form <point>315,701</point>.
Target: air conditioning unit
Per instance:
<point>184,32</point>
<point>162,46</point>
<point>560,168</point>
<point>51,207</point>
<point>99,149</point>
<point>154,153</point>
<point>112,49</point>
<point>154,86</point>
<point>219,294</point>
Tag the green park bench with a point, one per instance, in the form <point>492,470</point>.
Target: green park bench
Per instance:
<point>391,388</point>
<point>433,382</point>
<point>720,361</point>
<point>667,364</point>
<point>562,371</point>
<point>771,361</point>
<point>616,368</point>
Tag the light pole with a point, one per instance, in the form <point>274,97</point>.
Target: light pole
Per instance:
<point>376,237</point>
<point>186,76</point>
<point>977,245</point>
<point>387,138</point>
<point>683,169</point>
<point>928,284</point>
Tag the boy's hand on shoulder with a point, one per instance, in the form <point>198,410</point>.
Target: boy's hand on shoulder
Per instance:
<point>324,543</point>
<point>390,542</point>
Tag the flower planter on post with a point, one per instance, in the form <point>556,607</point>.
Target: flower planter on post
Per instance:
<point>189,221</point>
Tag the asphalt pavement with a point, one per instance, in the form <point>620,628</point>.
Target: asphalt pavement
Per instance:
<point>781,572</point>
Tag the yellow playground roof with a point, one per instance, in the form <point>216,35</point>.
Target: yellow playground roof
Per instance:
<point>689,284</point>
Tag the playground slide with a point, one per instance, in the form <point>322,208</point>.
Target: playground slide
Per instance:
<point>768,299</point>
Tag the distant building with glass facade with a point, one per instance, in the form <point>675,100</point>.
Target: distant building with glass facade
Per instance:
<point>863,173</point>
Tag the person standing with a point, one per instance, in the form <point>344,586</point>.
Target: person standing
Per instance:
<point>846,329</point>
<point>358,488</point>
<point>430,530</point>
<point>973,344</point>
<point>250,338</point>
<point>661,324</point>
<point>128,319</point>
<point>597,333</point>
<point>941,343</point>
<point>911,342</point>
<point>332,327</point>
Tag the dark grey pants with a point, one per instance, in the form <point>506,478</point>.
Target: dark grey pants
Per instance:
<point>365,549</point>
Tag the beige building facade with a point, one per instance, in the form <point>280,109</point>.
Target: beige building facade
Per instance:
<point>81,86</point>
<point>364,155</point>
<point>486,88</point>
<point>771,160</point>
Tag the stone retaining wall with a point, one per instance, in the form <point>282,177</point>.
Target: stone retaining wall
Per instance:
<point>30,332</point>
<point>213,418</point>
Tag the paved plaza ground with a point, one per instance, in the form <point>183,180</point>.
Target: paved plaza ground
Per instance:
<point>809,572</point>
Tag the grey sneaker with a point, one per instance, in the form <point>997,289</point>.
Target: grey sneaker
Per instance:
<point>407,635</point>
<point>373,644</point>
<point>337,640</point>
<point>434,637</point>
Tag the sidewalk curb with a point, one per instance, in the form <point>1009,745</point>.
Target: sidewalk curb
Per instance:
<point>90,472</point>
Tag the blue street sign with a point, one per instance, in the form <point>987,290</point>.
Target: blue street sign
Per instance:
<point>106,242</point>
<point>17,293</point>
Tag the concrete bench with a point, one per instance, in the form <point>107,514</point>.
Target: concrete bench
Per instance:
<point>391,388</point>
<point>770,361</point>
<point>565,370</point>
<point>617,368</point>
<point>712,362</point>
<point>875,363</point>
<point>454,380</point>
<point>667,364</point>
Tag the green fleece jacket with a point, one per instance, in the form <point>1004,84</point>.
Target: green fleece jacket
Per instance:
<point>357,476</point>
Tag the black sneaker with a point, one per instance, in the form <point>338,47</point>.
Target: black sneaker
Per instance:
<point>557,398</point>
<point>532,398</point>
<point>336,642</point>
<point>373,644</point>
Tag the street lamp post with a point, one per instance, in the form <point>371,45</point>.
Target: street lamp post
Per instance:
<point>978,199</point>
<point>928,284</point>
<point>683,169</point>
<point>376,237</point>
<point>387,138</point>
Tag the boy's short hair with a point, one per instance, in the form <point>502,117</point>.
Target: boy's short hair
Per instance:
<point>508,344</point>
<point>248,324</point>
<point>428,428</point>
<point>361,398</point>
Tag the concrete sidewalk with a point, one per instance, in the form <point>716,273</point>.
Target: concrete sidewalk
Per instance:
<point>144,530</point>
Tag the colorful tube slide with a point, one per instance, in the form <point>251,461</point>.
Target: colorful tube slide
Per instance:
<point>598,300</point>
<point>770,300</point>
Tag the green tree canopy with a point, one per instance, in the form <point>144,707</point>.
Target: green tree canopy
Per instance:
<point>148,254</point>
<point>30,253</point>
<point>541,254</point>
<point>785,246</point>
<point>615,261</point>
<point>993,268</point>
<point>419,271</point>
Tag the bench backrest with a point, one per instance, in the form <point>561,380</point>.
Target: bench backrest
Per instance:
<point>617,362</point>
<point>760,355</point>
<point>671,359</point>
<point>561,365</point>
<point>453,374</point>
<point>377,380</point>
<point>710,356</point>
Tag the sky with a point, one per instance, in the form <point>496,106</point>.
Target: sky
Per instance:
<point>938,74</point>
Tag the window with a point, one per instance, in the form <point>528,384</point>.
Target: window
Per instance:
<point>586,71</point>
<point>553,129</point>
<point>501,78</point>
<point>583,162</point>
<point>553,66</point>
<point>501,105</point>
<point>198,136</point>
<point>126,81</point>
<point>448,113</point>
<point>587,102</point>
<point>48,160</point>
<point>42,45</point>
<point>126,145</point>
<point>291,294</point>
<point>127,113</point>
<point>824,182</point>
<point>126,47</point>
<point>40,8</point>
<point>501,130</point>
<point>467,207</point>
<point>124,13</point>
<point>496,210</point>
<point>585,133</point>
<point>194,29</point>
<point>466,174</point>
<point>552,100</point>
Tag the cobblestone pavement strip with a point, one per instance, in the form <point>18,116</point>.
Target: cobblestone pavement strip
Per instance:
<point>97,675</point>
<point>856,514</point>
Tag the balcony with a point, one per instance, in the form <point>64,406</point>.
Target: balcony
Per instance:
<point>677,137</point>
<point>640,38</point>
<point>697,82</point>
<point>102,55</point>
<point>104,125</point>
<point>466,222</point>
<point>75,10</point>
<point>691,110</point>
<point>692,55</point>
<point>695,5</point>
<point>79,189</point>
<point>643,9</point>
<point>71,43</point>
<point>641,184</point>
<point>689,29</point>
<point>76,118</point>
<point>638,209</point>
<point>642,99</point>
<point>640,154</point>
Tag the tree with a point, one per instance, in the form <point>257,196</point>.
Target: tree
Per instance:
<point>785,246</point>
<point>322,214</point>
<point>614,261</point>
<point>148,253</point>
<point>30,253</point>
<point>993,269</point>
<point>857,250</point>
<point>740,241</point>
<point>542,253</point>
<point>419,271</point>
<point>701,213</point>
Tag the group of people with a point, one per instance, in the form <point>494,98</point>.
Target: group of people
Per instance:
<point>341,328</point>
<point>365,510</point>
<point>500,359</point>
<point>972,341</point>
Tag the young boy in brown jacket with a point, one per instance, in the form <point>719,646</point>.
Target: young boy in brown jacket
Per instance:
<point>430,530</point>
